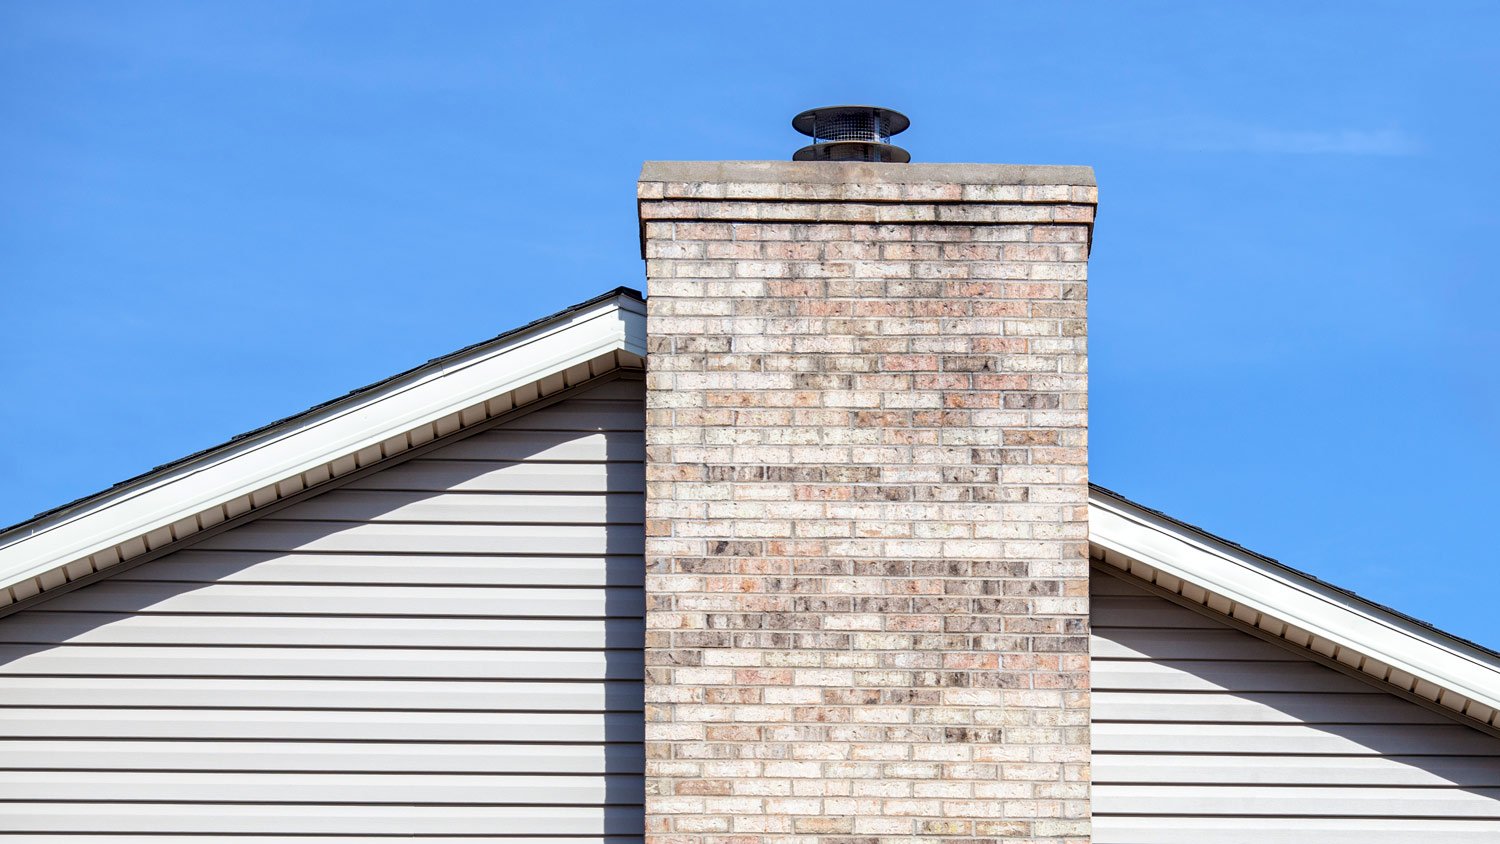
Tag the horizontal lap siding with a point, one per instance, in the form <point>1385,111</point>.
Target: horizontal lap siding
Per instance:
<point>450,648</point>
<point>1205,734</point>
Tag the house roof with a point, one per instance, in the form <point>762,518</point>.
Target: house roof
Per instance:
<point>214,489</point>
<point>264,467</point>
<point>1278,602</point>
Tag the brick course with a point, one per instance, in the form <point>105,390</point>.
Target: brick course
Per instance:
<point>867,540</point>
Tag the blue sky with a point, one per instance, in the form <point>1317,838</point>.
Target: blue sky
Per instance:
<point>213,215</point>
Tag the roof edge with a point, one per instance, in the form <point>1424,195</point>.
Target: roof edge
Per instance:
<point>1397,649</point>
<point>153,509</point>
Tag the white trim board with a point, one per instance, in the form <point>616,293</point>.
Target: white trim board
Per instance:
<point>1299,609</point>
<point>465,388</point>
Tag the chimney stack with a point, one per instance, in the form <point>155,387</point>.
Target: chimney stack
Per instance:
<point>867,466</point>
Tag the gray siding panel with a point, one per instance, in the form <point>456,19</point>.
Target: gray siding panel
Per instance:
<point>544,663</point>
<point>1206,734</point>
<point>80,628</point>
<point>253,599</point>
<point>320,693</point>
<point>406,757</point>
<point>386,569</point>
<point>369,819</point>
<point>449,648</point>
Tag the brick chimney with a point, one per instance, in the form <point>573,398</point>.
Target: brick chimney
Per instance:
<point>867,565</point>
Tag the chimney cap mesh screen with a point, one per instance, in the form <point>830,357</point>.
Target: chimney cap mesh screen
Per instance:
<point>851,133</point>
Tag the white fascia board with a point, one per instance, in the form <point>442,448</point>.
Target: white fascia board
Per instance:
<point>1281,594</point>
<point>305,442</point>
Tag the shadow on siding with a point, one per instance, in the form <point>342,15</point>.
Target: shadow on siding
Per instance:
<point>624,751</point>
<point>70,617</point>
<point>1272,680</point>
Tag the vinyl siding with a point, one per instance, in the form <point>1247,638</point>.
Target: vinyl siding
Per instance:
<point>1206,734</point>
<point>450,647</point>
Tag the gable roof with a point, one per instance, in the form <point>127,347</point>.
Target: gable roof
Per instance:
<point>222,486</point>
<point>264,467</point>
<point>1278,602</point>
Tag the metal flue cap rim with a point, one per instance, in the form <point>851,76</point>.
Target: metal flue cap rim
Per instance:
<point>894,121</point>
<point>853,151</point>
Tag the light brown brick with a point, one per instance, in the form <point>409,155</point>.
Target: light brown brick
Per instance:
<point>867,465</point>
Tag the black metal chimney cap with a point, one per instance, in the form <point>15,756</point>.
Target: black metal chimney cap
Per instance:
<point>808,122</point>
<point>851,133</point>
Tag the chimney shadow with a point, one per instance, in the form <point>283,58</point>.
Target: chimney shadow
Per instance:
<point>625,642</point>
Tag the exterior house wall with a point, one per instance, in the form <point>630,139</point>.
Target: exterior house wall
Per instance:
<point>867,502</point>
<point>447,646</point>
<point>1206,734</point>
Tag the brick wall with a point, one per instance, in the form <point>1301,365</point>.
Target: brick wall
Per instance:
<point>867,502</point>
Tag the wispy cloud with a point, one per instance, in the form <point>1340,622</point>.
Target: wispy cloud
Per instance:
<point>1206,136</point>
